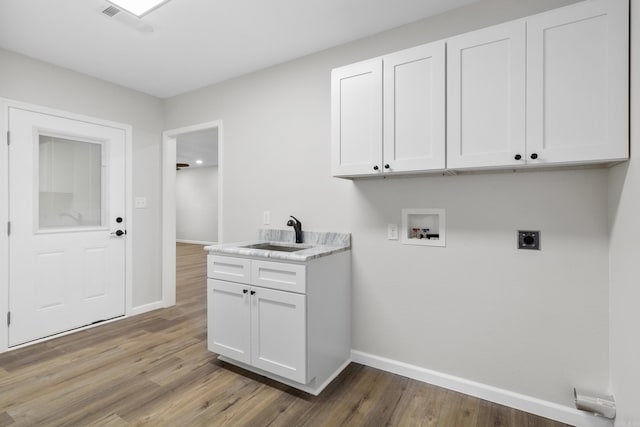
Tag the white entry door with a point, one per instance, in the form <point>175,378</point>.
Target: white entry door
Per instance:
<point>67,224</point>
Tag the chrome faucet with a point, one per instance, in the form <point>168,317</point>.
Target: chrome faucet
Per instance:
<point>297,227</point>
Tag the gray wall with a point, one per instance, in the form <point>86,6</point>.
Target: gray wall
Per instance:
<point>27,80</point>
<point>197,204</point>
<point>530,322</point>
<point>624,193</point>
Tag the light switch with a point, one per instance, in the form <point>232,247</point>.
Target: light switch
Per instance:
<point>392,231</point>
<point>140,203</point>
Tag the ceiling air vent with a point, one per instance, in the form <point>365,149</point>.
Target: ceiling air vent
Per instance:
<point>111,11</point>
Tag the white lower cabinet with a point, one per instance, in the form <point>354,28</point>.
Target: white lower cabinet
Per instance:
<point>278,333</point>
<point>288,321</point>
<point>259,326</point>
<point>229,319</point>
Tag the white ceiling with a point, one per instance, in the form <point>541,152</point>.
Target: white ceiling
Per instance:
<point>188,44</point>
<point>200,145</point>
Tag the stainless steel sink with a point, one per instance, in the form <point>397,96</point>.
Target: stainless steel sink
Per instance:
<point>276,247</point>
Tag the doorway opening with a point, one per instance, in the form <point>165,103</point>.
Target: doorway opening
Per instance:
<point>192,216</point>
<point>197,187</point>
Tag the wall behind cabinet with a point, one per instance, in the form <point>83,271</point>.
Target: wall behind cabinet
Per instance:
<point>530,322</point>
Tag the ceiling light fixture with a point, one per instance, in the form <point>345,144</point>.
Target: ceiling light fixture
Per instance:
<point>198,162</point>
<point>138,8</point>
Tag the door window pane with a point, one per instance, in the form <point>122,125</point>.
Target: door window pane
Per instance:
<point>70,183</point>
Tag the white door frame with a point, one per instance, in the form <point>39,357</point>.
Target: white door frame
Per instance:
<point>4,207</point>
<point>169,138</point>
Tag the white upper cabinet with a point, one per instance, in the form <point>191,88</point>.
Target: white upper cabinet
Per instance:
<point>548,89</point>
<point>414,116</point>
<point>356,118</point>
<point>413,90</point>
<point>577,83</point>
<point>486,97</point>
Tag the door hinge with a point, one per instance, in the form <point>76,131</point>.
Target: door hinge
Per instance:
<point>8,138</point>
<point>8,228</point>
<point>8,318</point>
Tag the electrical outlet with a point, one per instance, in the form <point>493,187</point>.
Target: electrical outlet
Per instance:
<point>529,240</point>
<point>392,231</point>
<point>266,218</point>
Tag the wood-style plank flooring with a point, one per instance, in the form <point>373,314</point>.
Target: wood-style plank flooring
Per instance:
<point>154,369</point>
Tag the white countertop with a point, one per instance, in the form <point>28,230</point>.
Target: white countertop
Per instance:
<point>316,245</point>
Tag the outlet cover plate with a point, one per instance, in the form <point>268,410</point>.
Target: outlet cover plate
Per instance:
<point>392,231</point>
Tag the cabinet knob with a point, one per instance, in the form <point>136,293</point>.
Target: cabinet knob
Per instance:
<point>253,292</point>
<point>387,166</point>
<point>517,157</point>
<point>534,156</point>
<point>375,168</point>
<point>244,291</point>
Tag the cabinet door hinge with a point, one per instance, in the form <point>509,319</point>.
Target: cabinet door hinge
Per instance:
<point>8,138</point>
<point>8,228</point>
<point>8,318</point>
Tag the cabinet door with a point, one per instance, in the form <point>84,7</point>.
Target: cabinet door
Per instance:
<point>577,83</point>
<point>356,119</point>
<point>229,319</point>
<point>414,109</point>
<point>278,340</point>
<point>486,97</point>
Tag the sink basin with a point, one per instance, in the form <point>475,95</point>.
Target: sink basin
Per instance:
<point>275,247</point>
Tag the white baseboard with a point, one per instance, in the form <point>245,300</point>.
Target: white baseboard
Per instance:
<point>518,401</point>
<point>196,242</point>
<point>146,307</point>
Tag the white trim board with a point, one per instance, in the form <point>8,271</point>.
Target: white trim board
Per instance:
<point>518,401</point>
<point>146,308</point>
<point>169,141</point>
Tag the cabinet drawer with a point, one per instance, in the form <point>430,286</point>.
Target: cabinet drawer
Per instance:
<point>276,275</point>
<point>229,268</point>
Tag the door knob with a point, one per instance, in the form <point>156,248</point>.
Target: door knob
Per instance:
<point>118,233</point>
<point>517,157</point>
<point>534,156</point>
<point>244,291</point>
<point>386,166</point>
<point>375,168</point>
<point>119,220</point>
<point>253,292</point>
